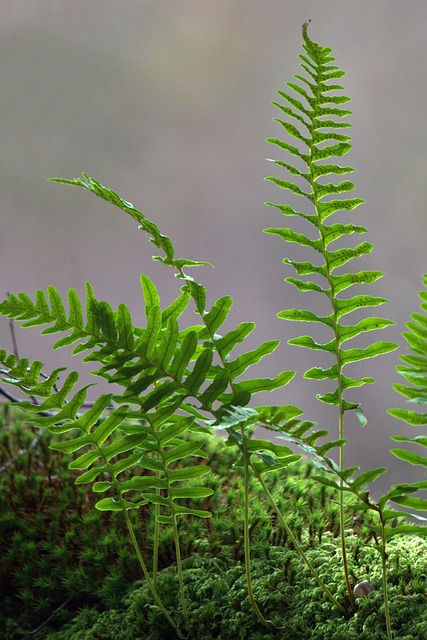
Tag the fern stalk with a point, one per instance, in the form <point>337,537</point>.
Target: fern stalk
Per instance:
<point>156,540</point>
<point>296,544</point>
<point>145,570</point>
<point>384,576</point>
<point>340,390</point>
<point>246,536</point>
<point>179,567</point>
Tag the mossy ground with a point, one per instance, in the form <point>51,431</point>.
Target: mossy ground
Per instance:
<point>70,572</point>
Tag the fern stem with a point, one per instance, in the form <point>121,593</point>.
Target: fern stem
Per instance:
<point>144,568</point>
<point>337,353</point>
<point>156,539</point>
<point>341,483</point>
<point>175,535</point>
<point>246,537</point>
<point>296,543</point>
<point>179,566</point>
<point>384,578</point>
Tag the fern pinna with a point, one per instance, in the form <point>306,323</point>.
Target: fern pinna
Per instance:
<point>315,108</point>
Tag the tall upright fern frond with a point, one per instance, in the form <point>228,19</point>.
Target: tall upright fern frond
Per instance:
<point>316,118</point>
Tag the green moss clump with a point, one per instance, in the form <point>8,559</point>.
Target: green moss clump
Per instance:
<point>286,592</point>
<point>69,572</point>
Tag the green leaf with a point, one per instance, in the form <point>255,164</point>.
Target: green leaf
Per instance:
<point>183,355</point>
<point>200,370</point>
<point>100,487</point>
<point>177,307</point>
<point>89,476</point>
<point>188,473</point>
<point>109,425</point>
<point>257,385</point>
<point>347,332</point>
<point>122,445</point>
<point>190,492</point>
<point>168,343</point>
<point>198,293</point>
<point>317,373</point>
<point>309,343</point>
<point>409,456</point>
<point>218,313</point>
<point>288,147</point>
<point>285,184</point>
<point>125,328</point>
<point>287,210</point>
<point>112,504</point>
<point>341,256</point>
<point>324,190</point>
<point>218,386</point>
<point>269,464</point>
<point>304,268</point>
<point>304,285</point>
<point>328,208</point>
<point>299,238</point>
<point>180,263</point>
<point>70,446</point>
<point>246,360</point>
<point>75,307</point>
<point>357,302</point>
<point>302,315</point>
<point>405,529</point>
<point>367,476</point>
<point>330,151</point>
<point>200,513</point>
<point>86,460</point>
<point>156,498</point>
<point>153,327</point>
<point>414,503</point>
<point>172,431</point>
<point>375,349</point>
<point>411,417</point>
<point>183,450</point>
<point>227,343</point>
<point>421,440</point>
<point>279,450</point>
<point>289,112</point>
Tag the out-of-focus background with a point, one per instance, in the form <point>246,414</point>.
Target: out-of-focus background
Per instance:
<point>169,103</point>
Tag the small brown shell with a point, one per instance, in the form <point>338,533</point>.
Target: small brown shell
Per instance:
<point>363,589</point>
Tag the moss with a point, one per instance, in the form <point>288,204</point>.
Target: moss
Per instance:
<point>219,607</point>
<point>65,563</point>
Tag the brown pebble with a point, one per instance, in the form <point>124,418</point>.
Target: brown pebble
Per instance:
<point>363,589</point>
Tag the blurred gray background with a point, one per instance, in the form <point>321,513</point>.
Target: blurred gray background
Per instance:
<point>169,103</point>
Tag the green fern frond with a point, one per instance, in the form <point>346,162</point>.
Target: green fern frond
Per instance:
<point>314,106</point>
<point>321,140</point>
<point>415,373</point>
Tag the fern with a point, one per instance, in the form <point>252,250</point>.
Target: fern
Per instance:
<point>414,370</point>
<point>319,119</point>
<point>178,384</point>
<point>174,382</point>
